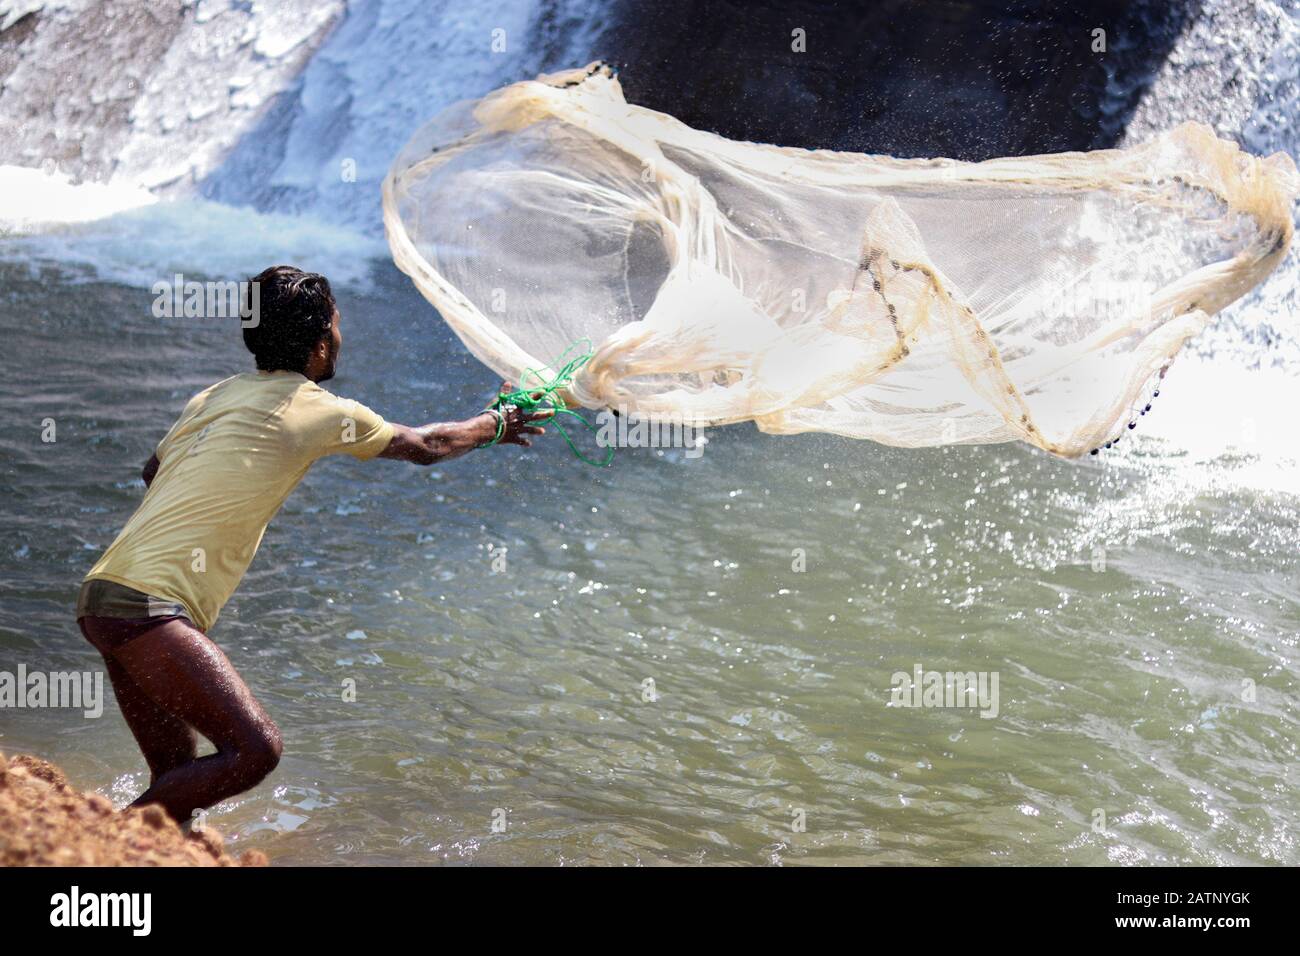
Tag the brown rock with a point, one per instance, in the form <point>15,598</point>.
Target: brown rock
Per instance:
<point>46,822</point>
<point>42,770</point>
<point>209,839</point>
<point>99,804</point>
<point>155,816</point>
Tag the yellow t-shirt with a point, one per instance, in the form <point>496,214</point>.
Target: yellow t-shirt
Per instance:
<point>225,468</point>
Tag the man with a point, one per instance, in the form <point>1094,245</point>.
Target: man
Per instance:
<point>212,485</point>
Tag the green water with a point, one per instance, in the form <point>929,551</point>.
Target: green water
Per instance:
<point>1121,604</point>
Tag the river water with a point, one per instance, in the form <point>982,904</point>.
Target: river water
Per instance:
<point>1120,603</point>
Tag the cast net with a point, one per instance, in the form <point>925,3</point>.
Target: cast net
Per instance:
<point>912,302</point>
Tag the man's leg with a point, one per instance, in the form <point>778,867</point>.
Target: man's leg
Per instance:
<point>166,741</point>
<point>181,671</point>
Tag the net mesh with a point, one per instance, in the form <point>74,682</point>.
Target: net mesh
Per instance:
<point>912,302</point>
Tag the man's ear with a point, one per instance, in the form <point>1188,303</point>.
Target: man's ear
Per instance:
<point>315,359</point>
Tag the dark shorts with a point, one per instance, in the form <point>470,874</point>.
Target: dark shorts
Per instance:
<point>111,615</point>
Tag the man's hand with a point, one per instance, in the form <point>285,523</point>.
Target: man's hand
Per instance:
<point>443,441</point>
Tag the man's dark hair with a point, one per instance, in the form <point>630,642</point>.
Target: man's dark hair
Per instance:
<point>295,311</point>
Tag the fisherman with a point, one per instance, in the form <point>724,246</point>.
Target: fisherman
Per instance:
<point>215,481</point>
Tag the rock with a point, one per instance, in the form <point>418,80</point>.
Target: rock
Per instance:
<point>44,821</point>
<point>209,839</point>
<point>99,804</point>
<point>969,79</point>
<point>42,770</point>
<point>155,816</point>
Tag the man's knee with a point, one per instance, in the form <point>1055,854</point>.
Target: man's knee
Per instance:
<point>259,755</point>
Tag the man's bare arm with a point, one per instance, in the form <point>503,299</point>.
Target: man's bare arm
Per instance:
<point>443,441</point>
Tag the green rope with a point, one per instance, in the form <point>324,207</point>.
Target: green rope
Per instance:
<point>562,371</point>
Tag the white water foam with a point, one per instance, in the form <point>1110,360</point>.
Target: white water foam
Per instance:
<point>1232,395</point>
<point>126,235</point>
<point>37,199</point>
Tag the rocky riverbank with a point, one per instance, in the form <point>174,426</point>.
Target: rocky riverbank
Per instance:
<point>45,821</point>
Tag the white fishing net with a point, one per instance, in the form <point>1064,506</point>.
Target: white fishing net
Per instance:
<point>912,302</point>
